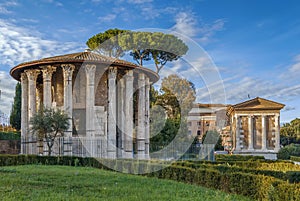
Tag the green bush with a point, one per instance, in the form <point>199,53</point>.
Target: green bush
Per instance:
<point>229,178</point>
<point>290,150</point>
<point>236,157</point>
<point>10,135</point>
<point>295,158</point>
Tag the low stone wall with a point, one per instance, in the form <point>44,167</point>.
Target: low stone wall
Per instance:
<point>10,146</point>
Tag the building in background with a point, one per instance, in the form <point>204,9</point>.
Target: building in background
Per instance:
<point>250,128</point>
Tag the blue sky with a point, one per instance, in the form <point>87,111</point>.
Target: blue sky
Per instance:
<point>253,46</point>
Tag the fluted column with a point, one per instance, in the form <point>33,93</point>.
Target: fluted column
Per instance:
<point>277,132</point>
<point>237,133</point>
<point>147,118</point>
<point>24,113</point>
<point>68,103</point>
<point>141,118</point>
<point>128,115</point>
<point>250,133</point>
<point>121,117</point>
<point>111,122</point>
<point>263,133</point>
<point>47,83</point>
<point>32,76</point>
<point>90,99</point>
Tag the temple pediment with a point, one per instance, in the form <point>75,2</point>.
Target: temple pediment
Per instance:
<point>258,104</point>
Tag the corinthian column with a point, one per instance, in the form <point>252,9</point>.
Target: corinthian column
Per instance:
<point>90,99</point>
<point>47,79</point>
<point>24,113</point>
<point>250,134</point>
<point>277,132</point>
<point>128,114</point>
<point>147,118</point>
<point>32,76</point>
<point>141,118</point>
<point>237,133</point>
<point>112,131</point>
<point>264,133</point>
<point>68,103</point>
<point>121,117</point>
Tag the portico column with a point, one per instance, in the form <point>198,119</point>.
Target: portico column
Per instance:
<point>90,99</point>
<point>24,113</point>
<point>121,118</point>
<point>264,133</point>
<point>277,132</point>
<point>141,118</point>
<point>147,118</point>
<point>250,133</point>
<point>237,133</point>
<point>111,123</point>
<point>68,103</point>
<point>47,83</point>
<point>32,76</point>
<point>128,114</point>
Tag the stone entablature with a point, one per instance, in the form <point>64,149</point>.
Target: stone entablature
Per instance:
<point>97,94</point>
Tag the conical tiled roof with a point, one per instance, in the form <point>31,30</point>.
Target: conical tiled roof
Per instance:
<point>79,57</point>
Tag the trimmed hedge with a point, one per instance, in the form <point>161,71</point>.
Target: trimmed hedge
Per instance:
<point>10,136</point>
<point>256,186</point>
<point>236,157</point>
<point>295,158</point>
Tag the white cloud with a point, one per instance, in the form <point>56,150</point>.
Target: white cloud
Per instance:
<point>107,18</point>
<point>4,7</point>
<point>295,68</point>
<point>19,44</point>
<point>139,1</point>
<point>186,23</point>
<point>7,87</point>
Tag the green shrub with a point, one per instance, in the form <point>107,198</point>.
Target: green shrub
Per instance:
<point>10,135</point>
<point>290,150</point>
<point>236,157</point>
<point>295,158</point>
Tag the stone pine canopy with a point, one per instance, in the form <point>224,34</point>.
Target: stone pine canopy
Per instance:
<point>78,59</point>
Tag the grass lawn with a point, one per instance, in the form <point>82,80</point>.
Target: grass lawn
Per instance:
<point>39,182</point>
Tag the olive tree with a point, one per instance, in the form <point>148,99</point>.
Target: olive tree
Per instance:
<point>49,123</point>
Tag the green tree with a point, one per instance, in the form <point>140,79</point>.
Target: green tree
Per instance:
<point>142,46</point>
<point>107,43</point>
<point>48,123</point>
<point>15,115</point>
<point>290,132</point>
<point>178,92</point>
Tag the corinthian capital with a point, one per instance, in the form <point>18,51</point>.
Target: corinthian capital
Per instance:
<point>32,74</point>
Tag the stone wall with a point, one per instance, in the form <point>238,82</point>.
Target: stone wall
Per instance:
<point>10,146</point>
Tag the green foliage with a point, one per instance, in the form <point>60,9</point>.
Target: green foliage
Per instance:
<point>295,158</point>
<point>142,46</point>
<point>290,132</point>
<point>48,123</point>
<point>10,135</point>
<point>213,137</point>
<point>15,115</point>
<point>236,157</point>
<point>107,43</point>
<point>289,150</point>
<point>37,182</point>
<point>254,179</point>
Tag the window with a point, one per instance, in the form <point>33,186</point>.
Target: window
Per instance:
<point>198,132</point>
<point>190,132</point>
<point>189,123</point>
<point>199,123</point>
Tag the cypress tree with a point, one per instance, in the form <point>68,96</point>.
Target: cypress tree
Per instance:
<point>15,115</point>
